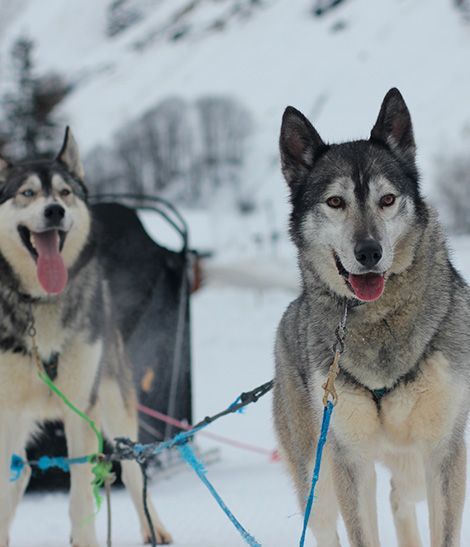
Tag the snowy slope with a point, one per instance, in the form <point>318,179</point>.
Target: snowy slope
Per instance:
<point>336,69</point>
<point>280,55</point>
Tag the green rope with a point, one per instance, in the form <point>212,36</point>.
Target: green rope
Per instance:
<point>102,469</point>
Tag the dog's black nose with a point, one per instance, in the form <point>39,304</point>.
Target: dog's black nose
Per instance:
<point>54,213</point>
<point>368,252</point>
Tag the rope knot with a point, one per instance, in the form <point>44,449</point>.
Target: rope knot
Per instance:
<point>102,471</point>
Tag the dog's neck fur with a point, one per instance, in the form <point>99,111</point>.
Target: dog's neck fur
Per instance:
<point>379,350</point>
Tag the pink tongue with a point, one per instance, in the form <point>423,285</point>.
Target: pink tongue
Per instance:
<point>367,287</point>
<point>51,270</point>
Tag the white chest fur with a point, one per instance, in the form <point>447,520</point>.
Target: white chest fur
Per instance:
<point>413,415</point>
<point>50,333</point>
<point>21,390</point>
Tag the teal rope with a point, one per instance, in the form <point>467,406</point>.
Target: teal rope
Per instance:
<point>141,452</point>
<point>189,456</point>
<point>237,401</point>
<point>180,441</point>
<point>44,463</point>
<point>327,412</point>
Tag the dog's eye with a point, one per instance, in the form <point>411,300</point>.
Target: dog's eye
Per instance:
<point>387,200</point>
<point>65,192</point>
<point>335,202</point>
<point>27,193</point>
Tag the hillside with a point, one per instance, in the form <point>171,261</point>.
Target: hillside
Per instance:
<point>264,54</point>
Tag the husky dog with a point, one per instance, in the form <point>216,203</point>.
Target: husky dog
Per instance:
<point>368,241</point>
<point>50,274</point>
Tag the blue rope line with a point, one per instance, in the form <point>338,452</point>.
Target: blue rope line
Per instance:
<point>44,463</point>
<point>327,411</point>
<point>189,456</point>
<point>142,451</point>
<point>178,439</point>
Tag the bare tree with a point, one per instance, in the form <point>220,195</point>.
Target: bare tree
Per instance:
<point>453,182</point>
<point>169,143</point>
<point>183,152</point>
<point>30,124</point>
<point>225,126</point>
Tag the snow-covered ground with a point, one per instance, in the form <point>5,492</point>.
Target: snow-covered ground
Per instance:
<point>233,333</point>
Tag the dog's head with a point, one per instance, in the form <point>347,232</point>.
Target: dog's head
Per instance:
<point>356,205</point>
<point>44,219</point>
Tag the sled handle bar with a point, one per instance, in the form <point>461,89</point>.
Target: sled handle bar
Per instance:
<point>180,226</point>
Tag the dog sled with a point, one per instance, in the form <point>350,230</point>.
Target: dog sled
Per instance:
<point>150,287</point>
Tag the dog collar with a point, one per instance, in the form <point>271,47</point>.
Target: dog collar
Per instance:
<point>378,394</point>
<point>354,303</point>
<point>28,299</point>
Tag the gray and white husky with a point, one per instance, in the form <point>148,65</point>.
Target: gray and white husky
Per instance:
<point>49,272</point>
<point>366,239</point>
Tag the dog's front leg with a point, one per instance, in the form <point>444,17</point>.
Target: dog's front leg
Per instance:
<point>445,482</point>
<point>81,441</point>
<point>355,484</point>
<point>13,436</point>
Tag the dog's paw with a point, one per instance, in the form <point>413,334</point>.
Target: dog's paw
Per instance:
<point>162,536</point>
<point>84,543</point>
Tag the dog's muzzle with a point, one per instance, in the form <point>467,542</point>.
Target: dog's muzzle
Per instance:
<point>45,248</point>
<point>368,286</point>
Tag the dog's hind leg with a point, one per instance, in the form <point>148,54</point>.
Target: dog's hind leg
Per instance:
<point>120,420</point>
<point>14,432</point>
<point>407,488</point>
<point>81,441</point>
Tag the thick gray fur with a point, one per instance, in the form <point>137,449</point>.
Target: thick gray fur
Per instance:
<point>76,325</point>
<point>413,342</point>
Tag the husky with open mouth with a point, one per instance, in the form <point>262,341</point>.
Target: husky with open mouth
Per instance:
<point>367,240</point>
<point>50,273</point>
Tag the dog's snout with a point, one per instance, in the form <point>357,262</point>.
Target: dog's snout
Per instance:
<point>54,213</point>
<point>368,252</point>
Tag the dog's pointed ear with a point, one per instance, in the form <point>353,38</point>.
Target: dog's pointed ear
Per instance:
<point>299,144</point>
<point>393,126</point>
<point>70,156</point>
